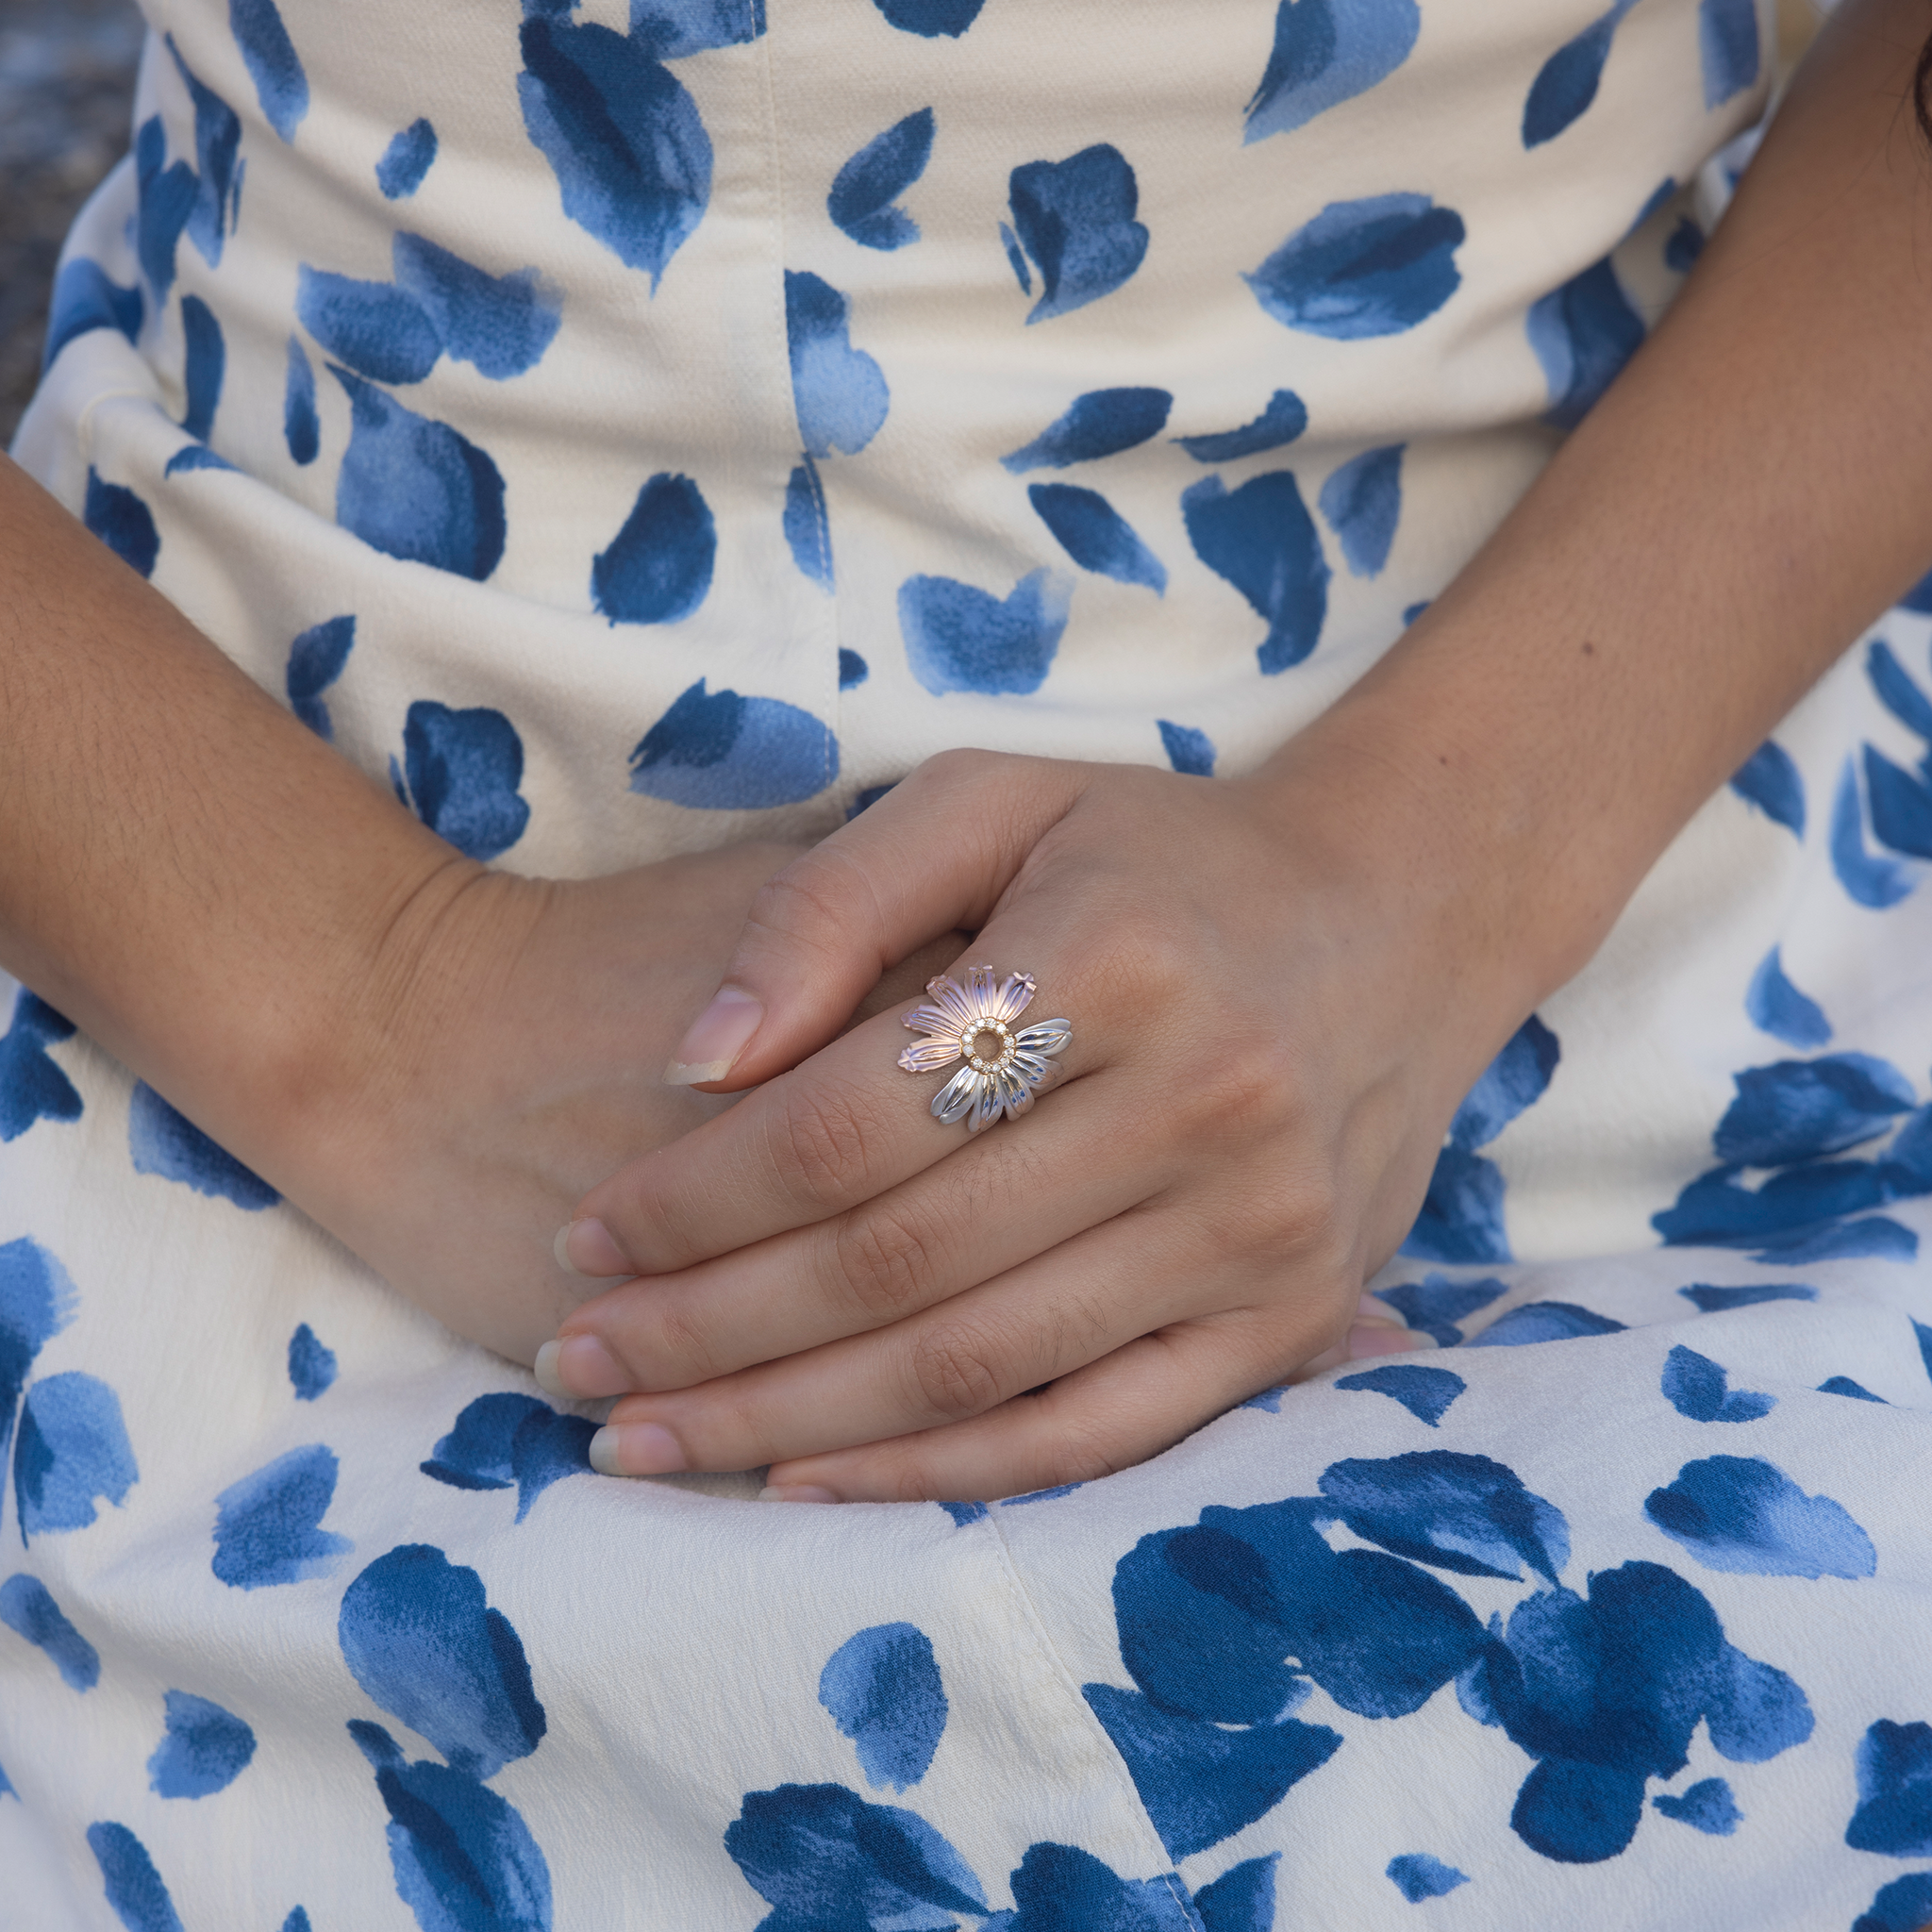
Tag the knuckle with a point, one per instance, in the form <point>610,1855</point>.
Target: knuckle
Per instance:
<point>883,1262</point>
<point>684,1351</point>
<point>822,1145</point>
<point>953,1372</point>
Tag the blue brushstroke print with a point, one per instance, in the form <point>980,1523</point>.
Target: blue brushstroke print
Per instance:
<point>839,391</point>
<point>316,660</point>
<point>1684,247</point>
<point>658,568</point>
<point>1894,1773</point>
<point>1465,1513</point>
<point>460,775</point>
<point>808,529</point>
<point>1716,1301</point>
<point>37,1301</point>
<point>195,455</point>
<point>311,1367</point>
<point>28,1611</point>
<point>1362,269</point>
<point>1426,1393</point>
<point>866,186</point>
<point>1796,1110</point>
<point>1708,1807</point>
<point>1745,1516</point>
<point>1100,424</point>
<point>1279,423</point>
<point>1697,1387</point>
<point>716,751</point>
<point>1096,536</point>
<point>1843,1385</point>
<point>931,18</point>
<point>499,325</point>
<point>166,1144</point>
<point>1727,40</point>
<point>508,1440</point>
<point>853,669</point>
<point>1435,1305</point>
<point>624,138</point>
<point>1362,501</point>
<point>1189,751</point>
<point>1075,218</point>
<point>1774,1006</point>
<point>73,1448</point>
<point>301,425</point>
<point>1895,690</point>
<point>273,63</point>
<point>961,638</point>
<point>1872,881</point>
<point>167,194</point>
<point>1326,52</point>
<point>86,298</point>
<point>376,328</point>
<point>268,1526</point>
<point>32,1089</point>
<point>406,161</point>
<point>123,521</point>
<point>1770,780</point>
<point>882,1688</point>
<point>671,28</point>
<point>1903,1905</point>
<point>1901,806</point>
<point>1568,80</point>
<point>1242,1899</point>
<point>217,141</point>
<point>414,489</point>
<point>1417,1876</point>
<point>203,1750</point>
<point>1537,1322</point>
<point>1062,1888</point>
<point>1583,334</point>
<point>135,1892</point>
<point>1262,540</point>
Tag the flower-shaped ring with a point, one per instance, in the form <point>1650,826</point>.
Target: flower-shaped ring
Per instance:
<point>1005,1067</point>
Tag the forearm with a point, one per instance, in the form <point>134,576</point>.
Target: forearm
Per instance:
<point>1751,492</point>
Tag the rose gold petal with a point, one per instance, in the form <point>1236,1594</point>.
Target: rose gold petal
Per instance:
<point>1045,1036</point>
<point>930,1020</point>
<point>929,1056</point>
<point>951,998</point>
<point>1013,998</point>
<point>982,989</point>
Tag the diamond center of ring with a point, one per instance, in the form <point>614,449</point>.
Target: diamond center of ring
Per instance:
<point>988,1046</point>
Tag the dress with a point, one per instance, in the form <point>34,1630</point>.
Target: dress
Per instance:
<point>630,432</point>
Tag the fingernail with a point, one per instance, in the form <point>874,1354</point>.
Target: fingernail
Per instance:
<point>587,1250</point>
<point>1378,1338</point>
<point>580,1368</point>
<point>635,1449</point>
<point>795,1492</point>
<point>716,1038</point>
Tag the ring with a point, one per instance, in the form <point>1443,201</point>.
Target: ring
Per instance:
<point>1004,1067</point>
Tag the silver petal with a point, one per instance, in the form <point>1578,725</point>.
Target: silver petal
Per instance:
<point>931,1020</point>
<point>1034,1071</point>
<point>1013,998</point>
<point>958,1097</point>
<point>982,990</point>
<point>1015,1095</point>
<point>986,1106</point>
<point>951,998</point>
<point>929,1056</point>
<point>1045,1036</point>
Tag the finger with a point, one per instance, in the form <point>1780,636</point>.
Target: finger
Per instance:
<point>934,854</point>
<point>993,1205</point>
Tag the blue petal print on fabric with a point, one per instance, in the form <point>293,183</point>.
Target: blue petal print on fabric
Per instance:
<point>1894,688</point>
<point>28,1611</point>
<point>1583,334</point>
<point>882,1688</point>
<point>1770,780</point>
<point>931,18</point>
<point>964,1513</point>
<point>1242,1899</point>
<point>168,1144</point>
<point>36,1301</point>
<point>414,489</point>
<point>1100,424</point>
<point>1262,540</point>
<point>961,638</point>
<point>828,1861</point>
<point>217,140</point>
<point>1279,423</point>
<point>298,1920</point>
<point>464,1860</point>
<point>1894,1773</point>
<point>1062,1888</point>
<point>1362,501</point>
<point>1696,1386</point>
<point>86,298</point>
<point>32,1089</point>
<point>123,521</point>
<point>1684,245</point>
<point>1426,1393</point>
<point>716,751</point>
<point>839,391</point>
<point>406,161</point>
<point>273,63</point>
<point>377,329</point>
<point>1715,1301</point>
<point>1465,1513</point>
<point>1189,751</point>
<point>1901,806</point>
<point>419,1635</point>
<point>1544,1322</point>
<point>1796,1109</point>
<point>1417,1876</point>
<point>659,566</point>
<point>508,1440</point>
<point>268,1526</point>
<point>671,28</point>
<point>1096,536</point>
<point>500,325</point>
<point>301,425</point>
<point>195,455</point>
<point>1569,78</point>
<point>1362,269</point>
<point>135,1892</point>
<point>1745,1516</point>
<point>1903,1905</point>
<point>866,186</point>
<point>624,138</point>
<point>807,530</point>
<point>1843,1385</point>
<point>1075,218</point>
<point>316,660</point>
<point>203,1750</point>
<point>1326,52</point>
<point>1435,1305</point>
<point>1016,258</point>
<point>1708,1807</point>
<point>1774,1006</point>
<point>460,772</point>
<point>1512,1083</point>
<point>167,194</point>
<point>73,1448</point>
<point>1727,40</point>
<point>311,1367</point>
<point>853,670</point>
<point>1872,881</point>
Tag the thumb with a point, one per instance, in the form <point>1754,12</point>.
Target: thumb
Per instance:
<point>933,854</point>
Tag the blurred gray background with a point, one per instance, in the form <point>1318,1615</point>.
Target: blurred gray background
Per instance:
<point>66,89</point>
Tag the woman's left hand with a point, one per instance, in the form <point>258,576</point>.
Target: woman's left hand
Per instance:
<point>1277,997</point>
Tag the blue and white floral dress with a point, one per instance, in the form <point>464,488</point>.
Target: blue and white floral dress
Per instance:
<point>633,430</point>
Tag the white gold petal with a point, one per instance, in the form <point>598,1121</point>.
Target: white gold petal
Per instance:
<point>1013,998</point>
<point>986,1107</point>
<point>982,990</point>
<point>1034,1071</point>
<point>951,998</point>
<point>929,1056</point>
<point>1015,1095</point>
<point>958,1097</point>
<point>1045,1036</point>
<point>931,1020</point>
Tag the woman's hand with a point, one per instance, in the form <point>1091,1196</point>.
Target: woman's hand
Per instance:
<point>1275,1009</point>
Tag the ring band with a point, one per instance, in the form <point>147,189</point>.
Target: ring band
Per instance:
<point>998,1078</point>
